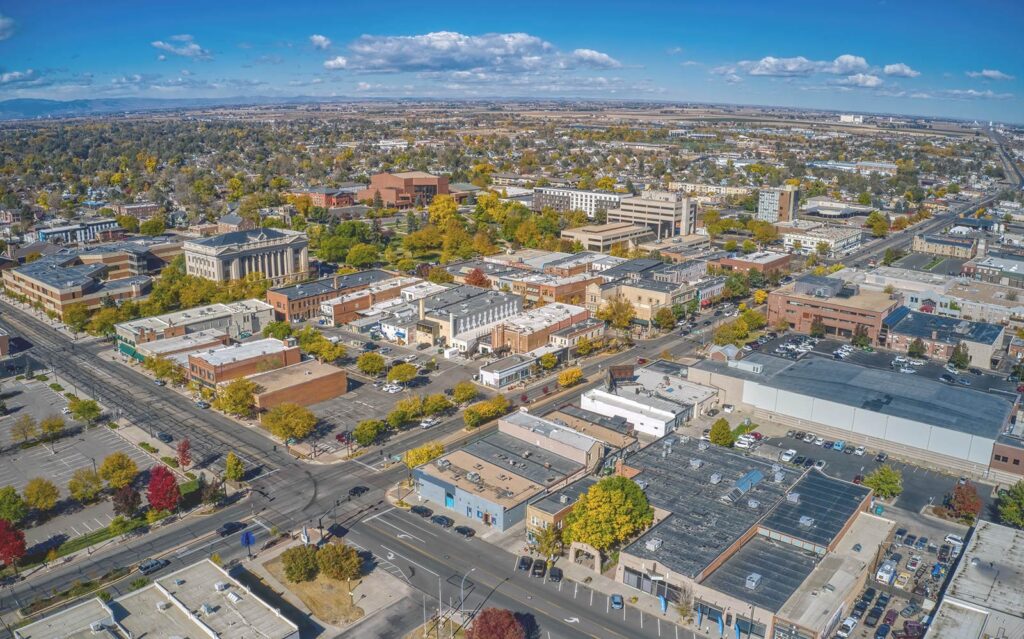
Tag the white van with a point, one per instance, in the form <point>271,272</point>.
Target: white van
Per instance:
<point>886,572</point>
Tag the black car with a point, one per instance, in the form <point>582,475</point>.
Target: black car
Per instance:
<point>230,527</point>
<point>159,382</point>
<point>465,531</point>
<point>524,563</point>
<point>881,457</point>
<point>974,371</point>
<point>900,534</point>
<point>555,574</point>
<point>799,434</point>
<point>540,567</point>
<point>422,511</point>
<point>884,598</point>
<point>150,566</point>
<point>946,377</point>
<point>164,437</point>
<point>442,521</point>
<point>859,608</point>
<point>809,462</point>
<point>357,491</point>
<point>799,460</point>
<point>874,616</point>
<point>869,595</point>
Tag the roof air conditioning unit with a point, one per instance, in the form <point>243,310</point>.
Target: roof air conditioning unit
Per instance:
<point>97,626</point>
<point>806,521</point>
<point>696,463</point>
<point>207,609</point>
<point>443,464</point>
<point>473,477</point>
<point>563,499</point>
<point>220,586</point>
<point>233,597</point>
<point>653,544</point>
<point>163,605</point>
<point>776,468</point>
<point>780,477</point>
<point>753,581</point>
<point>753,504</point>
<point>716,478</point>
<point>793,498</point>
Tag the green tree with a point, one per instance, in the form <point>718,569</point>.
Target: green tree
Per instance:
<point>300,564</point>
<point>76,316</point>
<point>916,348</point>
<point>570,377</point>
<point>734,332</point>
<point>278,330</point>
<point>153,226</point>
<point>549,542</point>
<point>436,404</point>
<point>612,511</point>
<point>12,506</point>
<point>339,561</point>
<point>860,336</point>
<point>721,433</point>
<point>288,420</point>
<point>548,361</point>
<point>1011,505</point>
<point>128,223</point>
<point>817,327</point>
<point>118,470</point>
<point>369,431</point>
<point>886,481</point>
<point>361,255</point>
<point>422,454</point>
<point>236,397</point>
<point>402,373</point>
<point>960,358</point>
<point>864,199</point>
<point>85,484</point>
<point>665,319</point>
<point>85,410</point>
<point>465,392</point>
<point>372,364</point>
<point>234,469</point>
<point>52,427</point>
<point>439,275</point>
<point>41,494</point>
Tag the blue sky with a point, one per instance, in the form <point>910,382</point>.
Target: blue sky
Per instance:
<point>962,59</point>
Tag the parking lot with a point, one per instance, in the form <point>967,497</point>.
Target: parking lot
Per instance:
<point>930,264</point>
<point>58,460</point>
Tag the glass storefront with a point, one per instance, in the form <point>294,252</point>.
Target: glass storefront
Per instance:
<point>654,586</point>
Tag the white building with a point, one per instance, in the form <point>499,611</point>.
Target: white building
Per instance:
<point>566,199</point>
<point>666,213</point>
<point>778,205</point>
<point>838,239</point>
<point>278,255</point>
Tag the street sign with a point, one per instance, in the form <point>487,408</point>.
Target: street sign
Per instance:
<point>248,538</point>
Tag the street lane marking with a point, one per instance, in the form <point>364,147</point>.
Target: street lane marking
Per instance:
<point>383,512</point>
<point>398,554</point>
<point>404,532</point>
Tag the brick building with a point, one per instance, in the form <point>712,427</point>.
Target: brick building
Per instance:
<point>404,190</point>
<point>841,308</point>
<point>305,383</point>
<point>345,308</point>
<point>764,262</point>
<point>302,301</point>
<point>531,329</point>
<point>220,365</point>
<point>326,197</point>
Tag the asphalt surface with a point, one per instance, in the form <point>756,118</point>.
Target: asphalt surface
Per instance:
<point>288,494</point>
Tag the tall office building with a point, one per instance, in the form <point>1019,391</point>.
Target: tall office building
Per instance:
<point>667,214</point>
<point>778,205</point>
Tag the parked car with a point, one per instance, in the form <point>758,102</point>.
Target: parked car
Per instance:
<point>524,563</point>
<point>890,617</point>
<point>922,543</point>
<point>899,535</point>
<point>539,569</point>
<point>955,540</point>
<point>616,602</point>
<point>902,582</point>
<point>819,441</point>
<point>914,563</point>
<point>883,631</point>
<point>799,460</point>
<point>808,438</point>
<point>874,616</point>
<point>910,610</point>
<point>202,404</point>
<point>910,540</point>
<point>839,445</point>
<point>881,457</point>
<point>465,531</point>
<point>788,455</point>
<point>884,598</point>
<point>858,479</point>
<point>159,382</point>
<point>164,437</point>
<point>442,521</point>
<point>869,595</point>
<point>555,574</point>
<point>810,461</point>
<point>913,629</point>
<point>859,451</point>
<point>846,629</point>
<point>827,444</point>
<point>859,608</point>
<point>820,464</point>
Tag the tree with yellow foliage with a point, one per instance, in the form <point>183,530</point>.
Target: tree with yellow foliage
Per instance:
<point>760,296</point>
<point>612,511</point>
<point>427,452</point>
<point>570,377</point>
<point>441,209</point>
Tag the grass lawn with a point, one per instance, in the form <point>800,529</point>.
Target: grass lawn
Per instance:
<point>327,599</point>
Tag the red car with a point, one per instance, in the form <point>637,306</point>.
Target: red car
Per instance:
<point>859,479</point>
<point>1020,389</point>
<point>756,435</point>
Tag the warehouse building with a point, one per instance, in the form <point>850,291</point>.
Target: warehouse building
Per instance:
<point>910,415</point>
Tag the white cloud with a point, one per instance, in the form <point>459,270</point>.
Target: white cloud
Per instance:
<point>445,51</point>
<point>845,64</point>
<point>800,66</point>
<point>972,94</point>
<point>689,63</point>
<point>161,58</point>
<point>900,70</point>
<point>6,27</point>
<point>863,80</point>
<point>320,42</point>
<point>19,77</point>
<point>186,47</point>
<point>340,62</point>
<point>732,78</point>
<point>595,58</point>
<point>990,74</point>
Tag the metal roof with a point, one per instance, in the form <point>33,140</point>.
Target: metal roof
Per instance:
<point>780,568</point>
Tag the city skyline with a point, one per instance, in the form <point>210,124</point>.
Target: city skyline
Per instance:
<point>887,57</point>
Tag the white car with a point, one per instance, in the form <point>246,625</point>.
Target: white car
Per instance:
<point>819,441</point>
<point>65,410</point>
<point>744,443</point>
<point>956,540</point>
<point>429,422</point>
<point>728,408</point>
<point>859,451</point>
<point>788,455</point>
<point>846,629</point>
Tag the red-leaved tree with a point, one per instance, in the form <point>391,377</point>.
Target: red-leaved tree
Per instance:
<point>184,453</point>
<point>496,623</point>
<point>12,544</point>
<point>476,277</point>
<point>965,503</point>
<point>163,492</point>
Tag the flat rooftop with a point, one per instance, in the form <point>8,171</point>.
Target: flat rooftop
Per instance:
<point>506,363</point>
<point>783,568</point>
<point>195,315</point>
<point>985,594</point>
<point>695,481</point>
<point>332,284</point>
<point>288,376</point>
<point>559,500</point>
<point>242,351</point>
<point>537,319</point>
<point>552,430</point>
<point>533,463</point>
<point>618,423</point>
<point>496,481</point>
<point>877,301</point>
<point>913,397</point>
<point>951,330</point>
<point>612,229</point>
<point>838,573</point>
<point>829,502</point>
<point>191,341</point>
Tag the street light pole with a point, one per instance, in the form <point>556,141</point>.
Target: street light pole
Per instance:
<point>462,594</point>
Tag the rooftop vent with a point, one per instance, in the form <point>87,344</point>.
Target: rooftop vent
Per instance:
<point>806,521</point>
<point>753,581</point>
<point>163,605</point>
<point>443,464</point>
<point>234,597</point>
<point>220,586</point>
<point>793,498</point>
<point>696,463</point>
<point>642,484</point>
<point>97,626</point>
<point>716,478</point>
<point>753,504</point>
<point>473,477</point>
<point>207,609</point>
<point>653,544</point>
<point>179,582</point>
<point>779,477</point>
<point>563,499</point>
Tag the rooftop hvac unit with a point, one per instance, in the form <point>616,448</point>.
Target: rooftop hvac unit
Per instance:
<point>779,477</point>
<point>179,582</point>
<point>776,468</point>
<point>653,544</point>
<point>220,586</point>
<point>753,504</point>
<point>642,484</point>
<point>793,498</point>
<point>443,464</point>
<point>806,521</point>
<point>703,445</point>
<point>696,463</point>
<point>233,597</point>
<point>564,499</point>
<point>207,609</point>
<point>716,478</point>
<point>753,581</point>
<point>97,626</point>
<point>473,477</point>
<point>163,605</point>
